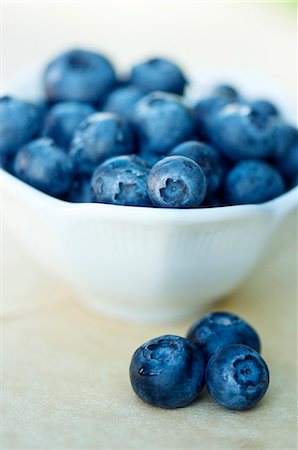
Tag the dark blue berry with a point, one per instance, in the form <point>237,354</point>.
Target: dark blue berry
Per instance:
<point>264,108</point>
<point>158,75</point>
<point>167,372</point>
<point>241,133</point>
<point>237,377</point>
<point>100,136</point>
<point>284,137</point>
<point>205,111</point>
<point>79,75</point>
<point>162,121</point>
<point>226,90</point>
<point>44,166</point>
<point>253,181</point>
<point>123,100</point>
<point>63,119</point>
<point>122,181</point>
<point>289,165</point>
<point>19,122</point>
<point>208,159</point>
<point>177,182</point>
<point>219,329</point>
<point>80,190</point>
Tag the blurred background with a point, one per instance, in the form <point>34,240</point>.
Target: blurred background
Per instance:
<point>65,382</point>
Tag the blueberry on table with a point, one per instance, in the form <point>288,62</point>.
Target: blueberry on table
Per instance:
<point>63,119</point>
<point>219,329</point>
<point>98,137</point>
<point>121,181</point>
<point>253,181</point>
<point>205,111</point>
<point>208,159</point>
<point>167,372</point>
<point>177,182</point>
<point>19,122</point>
<point>123,100</point>
<point>264,108</point>
<point>162,121</point>
<point>241,133</point>
<point>237,377</point>
<point>44,166</point>
<point>226,90</point>
<point>79,75</point>
<point>158,74</point>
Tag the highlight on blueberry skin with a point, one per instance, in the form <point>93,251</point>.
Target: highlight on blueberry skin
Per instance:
<point>237,377</point>
<point>79,75</point>
<point>167,372</point>
<point>253,181</point>
<point>161,122</point>
<point>19,122</point>
<point>209,160</point>
<point>62,120</point>
<point>219,329</point>
<point>121,181</point>
<point>177,182</point>
<point>100,136</point>
<point>44,166</point>
<point>158,74</point>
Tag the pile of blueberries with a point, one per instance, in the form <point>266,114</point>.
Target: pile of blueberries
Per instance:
<point>138,141</point>
<point>221,350</point>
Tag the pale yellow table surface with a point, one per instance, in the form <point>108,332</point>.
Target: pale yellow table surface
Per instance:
<point>65,370</point>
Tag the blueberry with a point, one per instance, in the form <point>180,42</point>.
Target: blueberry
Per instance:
<point>6,162</point>
<point>150,157</point>
<point>177,182</point>
<point>63,119</point>
<point>237,377</point>
<point>289,165</point>
<point>162,121</point>
<point>19,122</point>
<point>208,159</point>
<point>44,166</point>
<point>205,111</point>
<point>167,372</point>
<point>80,190</point>
<point>264,108</point>
<point>122,181</point>
<point>219,329</point>
<point>284,137</point>
<point>226,90</point>
<point>79,75</point>
<point>241,133</point>
<point>100,136</point>
<point>253,181</point>
<point>158,75</point>
<point>123,100</point>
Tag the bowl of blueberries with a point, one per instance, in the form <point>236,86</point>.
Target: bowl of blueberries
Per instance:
<point>151,193</point>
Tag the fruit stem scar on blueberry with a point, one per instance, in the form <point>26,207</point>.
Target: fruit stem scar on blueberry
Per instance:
<point>171,188</point>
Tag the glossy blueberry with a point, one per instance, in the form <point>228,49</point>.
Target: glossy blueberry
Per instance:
<point>289,165</point>
<point>226,90</point>
<point>284,137</point>
<point>177,182</point>
<point>19,122</point>
<point>80,190</point>
<point>264,108</point>
<point>123,100</point>
<point>219,329</point>
<point>253,181</point>
<point>162,121</point>
<point>237,377</point>
<point>158,75</point>
<point>44,166</point>
<point>100,136</point>
<point>208,159</point>
<point>205,111</point>
<point>79,75</point>
<point>241,133</point>
<point>167,372</point>
<point>122,181</point>
<point>63,119</point>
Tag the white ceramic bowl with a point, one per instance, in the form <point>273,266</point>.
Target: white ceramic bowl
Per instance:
<point>145,263</point>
